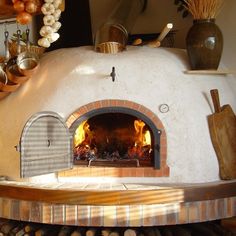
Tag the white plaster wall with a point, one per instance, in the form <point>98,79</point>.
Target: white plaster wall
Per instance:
<point>226,21</point>
<point>70,78</point>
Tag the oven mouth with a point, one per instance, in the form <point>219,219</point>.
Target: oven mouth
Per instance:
<point>115,137</point>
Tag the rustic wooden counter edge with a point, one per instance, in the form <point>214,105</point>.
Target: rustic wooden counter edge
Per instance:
<point>164,195</point>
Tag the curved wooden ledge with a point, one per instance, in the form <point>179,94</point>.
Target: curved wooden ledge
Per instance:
<point>126,205</point>
<point>125,194</point>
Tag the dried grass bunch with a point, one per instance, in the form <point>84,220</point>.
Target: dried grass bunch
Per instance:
<point>204,9</point>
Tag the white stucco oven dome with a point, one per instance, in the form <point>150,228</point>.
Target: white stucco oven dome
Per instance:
<point>72,78</point>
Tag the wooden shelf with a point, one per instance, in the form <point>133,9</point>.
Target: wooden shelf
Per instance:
<point>209,72</point>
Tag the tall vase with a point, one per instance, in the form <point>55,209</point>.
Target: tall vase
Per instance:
<point>204,44</point>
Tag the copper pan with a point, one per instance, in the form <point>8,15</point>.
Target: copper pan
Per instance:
<point>12,70</point>
<point>5,84</point>
<point>27,62</point>
<point>13,73</point>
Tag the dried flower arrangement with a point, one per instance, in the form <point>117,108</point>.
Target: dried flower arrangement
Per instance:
<point>203,9</point>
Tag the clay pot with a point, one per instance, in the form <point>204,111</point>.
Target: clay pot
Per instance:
<point>204,44</point>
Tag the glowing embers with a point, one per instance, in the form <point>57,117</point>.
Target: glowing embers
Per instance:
<point>113,139</point>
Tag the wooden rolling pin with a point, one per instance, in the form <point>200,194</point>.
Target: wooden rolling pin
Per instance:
<point>157,42</point>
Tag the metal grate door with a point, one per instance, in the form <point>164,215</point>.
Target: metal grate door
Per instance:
<point>45,145</point>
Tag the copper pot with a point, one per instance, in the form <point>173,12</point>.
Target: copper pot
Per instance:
<point>13,73</point>
<point>5,84</point>
<point>27,63</point>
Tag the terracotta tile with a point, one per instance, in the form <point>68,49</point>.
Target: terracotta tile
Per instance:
<point>234,205</point>
<point>140,109</point>
<point>97,105</point>
<point>203,211</point>
<point>25,210</point>
<point>96,215</point>
<point>6,208</point>
<point>172,216</point>
<point>46,213</point>
<point>149,172</point>
<point>128,172</point>
<point>90,106</point>
<point>58,214</point>
<point>82,110</point>
<point>96,171</point>
<point>211,209</point>
<point>111,171</point>
<point>163,142</point>
<point>113,102</point>
<point>221,209</point>
<point>105,103</point>
<point>148,216</point>
<point>193,212</point>
<point>15,209</point>
<point>0,207</point>
<point>135,215</point>
<point>183,214</point>
<point>139,172</point>
<point>83,215</point>
<point>129,104</point>
<point>120,103</point>
<point>109,216</point>
<point>122,216</point>
<point>125,102</point>
<point>163,151</point>
<point>36,212</point>
<point>150,114</point>
<point>160,214</point>
<point>71,214</point>
<point>158,173</point>
<point>136,106</point>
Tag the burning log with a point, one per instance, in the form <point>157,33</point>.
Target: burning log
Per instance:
<point>130,232</point>
<point>65,231</point>
<point>91,232</point>
<point>7,227</point>
<point>77,232</point>
<point>105,232</point>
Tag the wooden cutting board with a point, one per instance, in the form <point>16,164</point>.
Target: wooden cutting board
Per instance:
<point>222,125</point>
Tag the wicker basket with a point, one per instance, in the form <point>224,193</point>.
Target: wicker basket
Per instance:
<point>33,48</point>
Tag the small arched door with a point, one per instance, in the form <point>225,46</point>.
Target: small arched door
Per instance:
<point>45,145</point>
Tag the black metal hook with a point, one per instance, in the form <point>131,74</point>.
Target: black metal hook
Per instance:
<point>113,74</point>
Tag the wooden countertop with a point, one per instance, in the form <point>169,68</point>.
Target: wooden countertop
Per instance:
<point>116,193</point>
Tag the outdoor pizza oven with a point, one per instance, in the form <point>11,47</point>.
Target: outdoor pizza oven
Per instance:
<point>146,124</point>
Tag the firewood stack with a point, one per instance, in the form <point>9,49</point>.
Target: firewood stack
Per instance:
<point>21,228</point>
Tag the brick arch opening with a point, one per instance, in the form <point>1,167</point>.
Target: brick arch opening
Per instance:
<point>162,171</point>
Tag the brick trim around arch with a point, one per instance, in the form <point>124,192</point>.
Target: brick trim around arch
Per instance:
<point>92,171</point>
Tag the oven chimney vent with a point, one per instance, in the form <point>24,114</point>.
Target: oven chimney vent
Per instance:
<point>112,36</point>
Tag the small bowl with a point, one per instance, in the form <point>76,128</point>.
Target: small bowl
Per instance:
<point>5,84</point>
<point>27,63</point>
